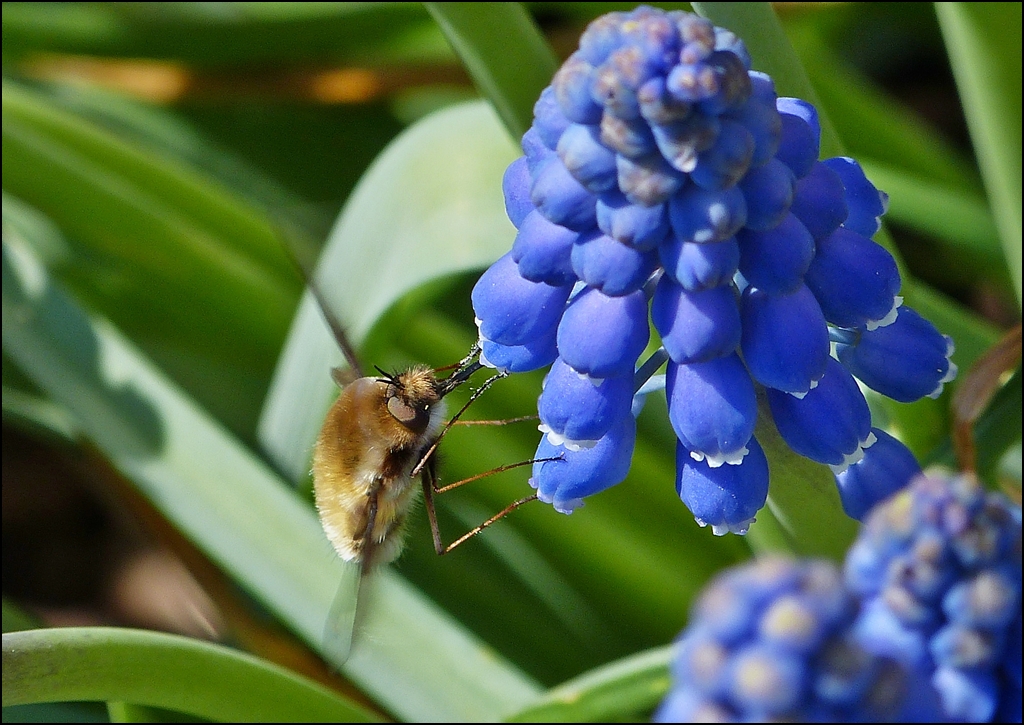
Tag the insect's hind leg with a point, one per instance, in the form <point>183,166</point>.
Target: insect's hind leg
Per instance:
<point>429,479</point>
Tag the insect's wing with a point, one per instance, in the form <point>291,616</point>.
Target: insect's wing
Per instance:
<point>343,618</point>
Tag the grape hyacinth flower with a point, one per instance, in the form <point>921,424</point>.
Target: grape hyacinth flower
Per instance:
<point>938,570</point>
<point>774,640</point>
<point>664,181</point>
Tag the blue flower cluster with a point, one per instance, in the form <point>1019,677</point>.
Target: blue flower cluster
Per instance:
<point>663,179</point>
<point>774,640</point>
<point>938,569</point>
<point>924,624</point>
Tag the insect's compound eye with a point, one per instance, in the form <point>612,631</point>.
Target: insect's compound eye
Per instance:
<point>410,417</point>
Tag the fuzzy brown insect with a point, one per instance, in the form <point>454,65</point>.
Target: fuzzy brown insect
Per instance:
<point>377,437</point>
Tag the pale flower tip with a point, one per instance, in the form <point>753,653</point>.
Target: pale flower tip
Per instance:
<point>889,318</point>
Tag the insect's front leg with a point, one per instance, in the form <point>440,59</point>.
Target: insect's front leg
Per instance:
<point>428,475</point>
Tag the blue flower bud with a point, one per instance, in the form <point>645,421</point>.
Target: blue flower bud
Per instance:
<point>696,325</point>
<point>905,361</point>
<point>655,35</point>
<point>535,354</point>
<point>617,80</point>
<point>697,35</point>
<point>761,118</point>
<point>820,201</point>
<point>603,336</point>
<point>785,339</point>
<point>681,142</point>
<point>725,163</point>
<point>572,90</point>
<point>733,84</point>
<point>801,135</point>
<point>513,311</point>
<point>776,260</point>
<point>649,180</point>
<point>766,681</point>
<point>610,266</point>
<point>580,408</point>
<point>887,467</point>
<point>725,498</point>
<point>967,696</point>
<point>601,37</point>
<point>698,266</point>
<point>640,227</point>
<point>881,631</point>
<point>515,187</point>
<point>658,106</point>
<point>768,191</point>
<point>563,483</point>
<point>542,250</point>
<point>963,647</point>
<point>560,198</point>
<point>536,152</point>
<point>704,216</point>
<point>855,280</point>
<point>548,119</point>
<point>865,203</point>
<point>632,139</point>
<point>712,408</point>
<point>988,600</point>
<point>728,40</point>
<point>691,82</point>
<point>587,159</point>
<point>828,425</point>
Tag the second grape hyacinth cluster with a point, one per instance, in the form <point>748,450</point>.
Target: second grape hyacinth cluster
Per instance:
<point>664,179</point>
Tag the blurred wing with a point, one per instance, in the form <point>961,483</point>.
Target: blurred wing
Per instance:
<point>343,618</point>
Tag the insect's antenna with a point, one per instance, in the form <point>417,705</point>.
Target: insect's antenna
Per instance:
<point>337,329</point>
<point>386,376</point>
<point>476,394</point>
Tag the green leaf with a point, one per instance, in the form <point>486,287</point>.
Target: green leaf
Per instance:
<point>413,659</point>
<point>162,670</point>
<point>196,276</point>
<point>482,34</point>
<point>874,125</point>
<point>983,42</point>
<point>618,692</point>
<point>806,516</point>
<point>956,217</point>
<point>251,32</point>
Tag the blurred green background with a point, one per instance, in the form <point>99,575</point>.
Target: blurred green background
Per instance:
<point>166,165</point>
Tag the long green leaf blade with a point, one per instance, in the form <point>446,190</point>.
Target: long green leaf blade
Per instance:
<point>162,670</point>
<point>983,42</point>
<point>482,35</point>
<point>617,692</point>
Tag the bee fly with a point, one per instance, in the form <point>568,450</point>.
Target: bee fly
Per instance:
<point>378,436</point>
